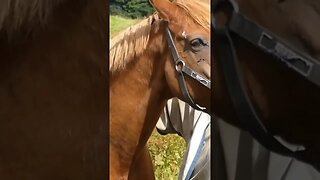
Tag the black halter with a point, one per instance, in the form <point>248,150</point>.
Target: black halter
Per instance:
<point>268,42</point>
<point>181,69</point>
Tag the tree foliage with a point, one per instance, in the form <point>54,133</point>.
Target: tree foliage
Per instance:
<point>131,8</point>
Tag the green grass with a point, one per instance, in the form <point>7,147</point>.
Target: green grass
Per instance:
<point>118,23</point>
<point>166,151</point>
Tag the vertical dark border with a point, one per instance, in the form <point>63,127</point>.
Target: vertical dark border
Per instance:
<point>107,68</point>
<point>212,125</point>
<point>217,158</point>
<point>211,117</point>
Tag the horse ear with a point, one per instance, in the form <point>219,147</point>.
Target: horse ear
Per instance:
<point>166,9</point>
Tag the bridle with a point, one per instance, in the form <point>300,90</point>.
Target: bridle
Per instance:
<point>270,43</point>
<point>181,69</point>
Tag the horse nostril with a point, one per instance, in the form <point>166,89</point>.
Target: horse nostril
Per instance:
<point>200,60</point>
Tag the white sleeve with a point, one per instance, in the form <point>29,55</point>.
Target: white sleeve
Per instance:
<point>164,124</point>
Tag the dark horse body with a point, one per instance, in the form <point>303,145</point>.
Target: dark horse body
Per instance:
<point>53,90</point>
<point>285,101</point>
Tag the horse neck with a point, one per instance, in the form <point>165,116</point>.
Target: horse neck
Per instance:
<point>137,97</point>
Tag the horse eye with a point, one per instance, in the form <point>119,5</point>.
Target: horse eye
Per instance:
<point>196,43</point>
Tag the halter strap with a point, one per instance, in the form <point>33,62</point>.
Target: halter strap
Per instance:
<point>267,41</point>
<point>181,69</point>
<point>301,63</point>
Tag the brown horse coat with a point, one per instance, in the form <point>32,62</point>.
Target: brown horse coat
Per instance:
<point>53,85</point>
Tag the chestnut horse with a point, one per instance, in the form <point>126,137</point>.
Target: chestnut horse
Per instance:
<point>266,72</point>
<point>53,85</point>
<point>146,64</point>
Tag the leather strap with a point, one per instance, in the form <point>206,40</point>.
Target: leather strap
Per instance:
<point>182,69</point>
<point>301,63</point>
<point>243,106</point>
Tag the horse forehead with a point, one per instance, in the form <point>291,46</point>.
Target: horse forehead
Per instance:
<point>184,34</point>
<point>187,32</point>
<point>190,26</point>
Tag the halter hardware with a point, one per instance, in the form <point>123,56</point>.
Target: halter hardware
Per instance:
<point>180,65</point>
<point>269,43</point>
<point>181,69</point>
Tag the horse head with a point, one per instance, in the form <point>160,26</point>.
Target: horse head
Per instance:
<point>187,67</point>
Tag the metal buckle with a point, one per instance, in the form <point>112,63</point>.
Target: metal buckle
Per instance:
<point>180,65</point>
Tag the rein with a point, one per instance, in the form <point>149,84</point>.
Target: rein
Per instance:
<point>181,69</point>
<point>268,42</point>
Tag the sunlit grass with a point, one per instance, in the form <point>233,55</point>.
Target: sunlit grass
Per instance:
<point>167,153</point>
<point>118,23</point>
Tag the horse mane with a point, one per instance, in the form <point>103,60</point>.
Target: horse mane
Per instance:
<point>134,40</point>
<point>130,42</point>
<point>16,13</point>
